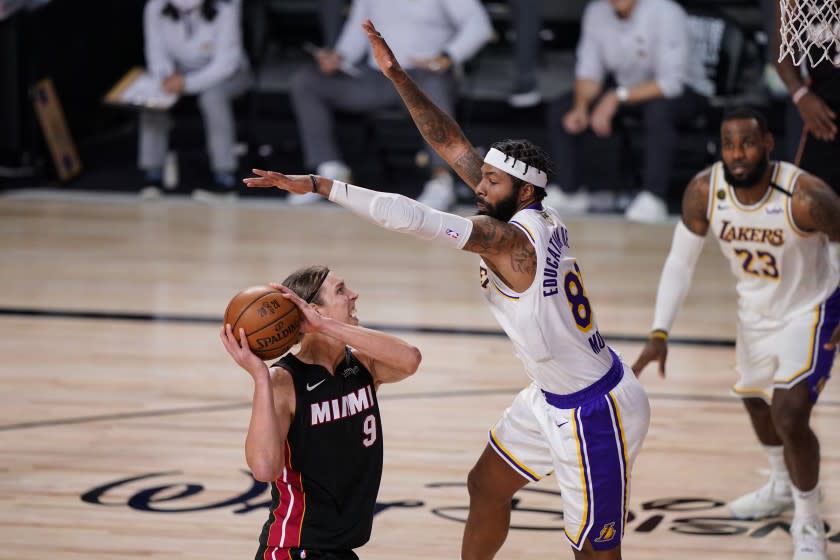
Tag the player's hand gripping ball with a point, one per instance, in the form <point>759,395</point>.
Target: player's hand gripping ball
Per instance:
<point>271,322</point>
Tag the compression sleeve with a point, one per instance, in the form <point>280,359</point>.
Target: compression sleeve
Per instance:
<point>400,213</point>
<point>676,276</point>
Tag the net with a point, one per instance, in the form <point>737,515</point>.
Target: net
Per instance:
<point>810,28</point>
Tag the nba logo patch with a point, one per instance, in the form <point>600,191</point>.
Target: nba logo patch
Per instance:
<point>452,233</point>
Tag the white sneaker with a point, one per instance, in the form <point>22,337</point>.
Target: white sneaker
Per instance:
<point>522,99</point>
<point>566,203</point>
<point>809,541</point>
<point>772,499</point>
<point>334,170</point>
<point>439,192</point>
<point>647,208</point>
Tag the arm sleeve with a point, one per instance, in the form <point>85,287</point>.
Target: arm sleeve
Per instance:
<point>352,43</point>
<point>672,52</point>
<point>473,28</point>
<point>400,213</point>
<point>589,64</point>
<point>227,55</point>
<point>158,63</point>
<point>676,276</point>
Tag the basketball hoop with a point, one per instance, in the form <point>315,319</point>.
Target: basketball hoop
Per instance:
<point>810,28</point>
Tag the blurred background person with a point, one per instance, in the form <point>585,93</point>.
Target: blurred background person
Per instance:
<point>634,56</point>
<point>428,38</point>
<point>195,48</point>
<point>527,18</point>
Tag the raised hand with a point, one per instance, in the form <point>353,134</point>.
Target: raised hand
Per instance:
<point>385,59</point>
<point>298,184</point>
<point>819,119</point>
<point>312,320</point>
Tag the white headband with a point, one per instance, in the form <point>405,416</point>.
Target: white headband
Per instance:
<point>518,169</point>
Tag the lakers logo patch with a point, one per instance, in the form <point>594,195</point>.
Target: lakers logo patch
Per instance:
<point>607,533</point>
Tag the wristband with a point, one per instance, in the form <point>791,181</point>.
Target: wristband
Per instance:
<point>659,334</point>
<point>799,94</point>
<point>314,183</point>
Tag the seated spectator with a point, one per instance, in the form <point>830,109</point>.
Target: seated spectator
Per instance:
<point>634,56</point>
<point>331,18</point>
<point>526,17</point>
<point>195,48</point>
<point>428,38</point>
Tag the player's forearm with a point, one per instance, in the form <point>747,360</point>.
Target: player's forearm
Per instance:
<point>676,276</point>
<point>391,351</point>
<point>439,130</point>
<point>264,444</point>
<point>585,93</point>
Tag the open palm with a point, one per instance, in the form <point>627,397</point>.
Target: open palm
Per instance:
<point>382,53</point>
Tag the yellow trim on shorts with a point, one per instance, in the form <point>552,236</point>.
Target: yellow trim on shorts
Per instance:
<point>626,459</point>
<point>584,485</point>
<point>512,457</point>
<point>811,358</point>
<point>746,393</point>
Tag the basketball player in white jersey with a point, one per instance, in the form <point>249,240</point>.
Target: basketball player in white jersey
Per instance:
<point>584,415</point>
<point>773,222</point>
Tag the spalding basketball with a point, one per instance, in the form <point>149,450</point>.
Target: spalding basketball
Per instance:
<point>271,322</point>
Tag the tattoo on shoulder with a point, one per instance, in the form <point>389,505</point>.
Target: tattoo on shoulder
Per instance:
<point>822,209</point>
<point>493,239</point>
<point>695,200</point>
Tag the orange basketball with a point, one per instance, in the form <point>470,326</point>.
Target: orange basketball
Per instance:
<point>271,322</point>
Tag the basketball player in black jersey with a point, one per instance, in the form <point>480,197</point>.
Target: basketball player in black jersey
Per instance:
<point>818,102</point>
<point>315,430</point>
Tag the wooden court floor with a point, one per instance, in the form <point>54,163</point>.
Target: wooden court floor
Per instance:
<point>122,420</point>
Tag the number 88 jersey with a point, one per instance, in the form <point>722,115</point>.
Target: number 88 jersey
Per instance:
<point>552,323</point>
<point>780,269</point>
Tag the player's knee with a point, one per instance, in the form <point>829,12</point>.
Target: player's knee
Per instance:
<point>756,407</point>
<point>790,419</point>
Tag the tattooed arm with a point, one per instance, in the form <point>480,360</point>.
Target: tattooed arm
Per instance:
<point>815,207</point>
<point>505,249</point>
<point>438,129</point>
<point>694,203</point>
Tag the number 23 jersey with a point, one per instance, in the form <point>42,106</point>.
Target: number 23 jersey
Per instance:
<point>781,270</point>
<point>551,324</point>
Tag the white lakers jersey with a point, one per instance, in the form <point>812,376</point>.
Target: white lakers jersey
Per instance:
<point>552,323</point>
<point>781,270</point>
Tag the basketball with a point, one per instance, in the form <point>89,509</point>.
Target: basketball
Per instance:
<point>271,322</point>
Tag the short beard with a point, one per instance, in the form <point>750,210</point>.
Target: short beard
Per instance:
<point>751,179</point>
<point>504,209</point>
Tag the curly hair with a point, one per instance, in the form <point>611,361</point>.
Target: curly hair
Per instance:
<point>530,154</point>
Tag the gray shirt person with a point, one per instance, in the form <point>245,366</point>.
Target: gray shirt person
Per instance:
<point>652,43</point>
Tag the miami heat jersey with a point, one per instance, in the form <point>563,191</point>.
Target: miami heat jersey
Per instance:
<point>551,324</point>
<point>781,270</point>
<point>326,496</point>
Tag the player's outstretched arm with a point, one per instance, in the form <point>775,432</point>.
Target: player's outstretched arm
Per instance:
<point>499,243</point>
<point>438,129</point>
